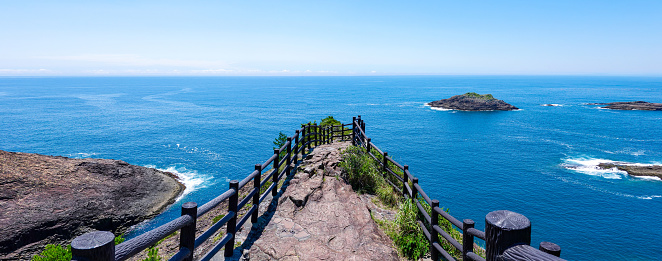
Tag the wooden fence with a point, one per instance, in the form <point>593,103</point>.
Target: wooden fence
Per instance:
<point>508,233</point>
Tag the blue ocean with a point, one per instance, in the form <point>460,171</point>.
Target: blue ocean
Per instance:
<point>538,161</point>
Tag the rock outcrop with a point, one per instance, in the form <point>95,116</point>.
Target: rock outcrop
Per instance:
<point>320,217</point>
<point>635,170</point>
<point>473,102</point>
<point>51,200</point>
<point>635,105</point>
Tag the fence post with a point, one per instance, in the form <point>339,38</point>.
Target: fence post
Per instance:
<point>296,148</point>
<point>434,237</point>
<point>289,155</point>
<point>367,145</point>
<point>359,120</point>
<point>504,229</point>
<point>326,135</point>
<point>550,248</point>
<point>353,131</point>
<point>256,186</point>
<point>317,134</point>
<point>414,191</point>
<point>308,140</point>
<point>303,140</point>
<point>467,239</point>
<point>276,172</point>
<point>232,223</point>
<point>95,245</point>
<point>187,237</point>
<point>384,162</point>
<point>405,180</point>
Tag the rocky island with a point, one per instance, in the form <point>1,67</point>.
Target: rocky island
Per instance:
<point>51,200</point>
<point>472,101</point>
<point>635,170</point>
<point>635,105</point>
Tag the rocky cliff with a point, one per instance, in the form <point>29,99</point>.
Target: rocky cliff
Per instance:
<point>51,200</point>
<point>473,102</point>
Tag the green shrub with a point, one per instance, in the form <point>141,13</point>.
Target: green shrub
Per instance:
<point>217,218</point>
<point>361,171</point>
<point>409,239</point>
<point>153,254</point>
<point>119,239</point>
<point>54,253</point>
<point>476,95</point>
<point>387,195</point>
<point>59,253</point>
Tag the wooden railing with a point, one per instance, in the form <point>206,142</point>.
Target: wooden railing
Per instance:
<point>99,245</point>
<point>507,234</point>
<point>508,243</point>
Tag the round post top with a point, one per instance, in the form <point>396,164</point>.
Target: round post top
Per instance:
<point>550,246</point>
<point>91,240</point>
<point>507,220</point>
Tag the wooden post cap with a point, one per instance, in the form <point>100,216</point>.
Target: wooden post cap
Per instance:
<point>550,248</point>
<point>95,245</point>
<point>504,229</point>
<point>507,220</point>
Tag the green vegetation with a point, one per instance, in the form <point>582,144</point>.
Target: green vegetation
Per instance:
<point>329,121</point>
<point>366,175</point>
<point>153,254</point>
<point>408,236</point>
<point>54,253</point>
<point>59,253</point>
<point>476,95</point>
<point>217,218</point>
<point>361,170</point>
<point>119,239</point>
<point>280,141</point>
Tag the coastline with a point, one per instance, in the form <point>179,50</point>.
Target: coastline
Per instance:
<point>53,199</point>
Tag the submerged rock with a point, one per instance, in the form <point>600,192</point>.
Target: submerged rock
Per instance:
<point>51,200</point>
<point>635,105</point>
<point>472,101</point>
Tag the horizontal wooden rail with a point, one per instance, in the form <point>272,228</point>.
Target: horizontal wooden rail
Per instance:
<point>133,246</point>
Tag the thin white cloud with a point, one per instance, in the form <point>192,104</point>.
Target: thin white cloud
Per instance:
<point>135,60</point>
<point>23,71</point>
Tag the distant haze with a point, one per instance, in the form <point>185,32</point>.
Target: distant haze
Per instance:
<point>215,38</point>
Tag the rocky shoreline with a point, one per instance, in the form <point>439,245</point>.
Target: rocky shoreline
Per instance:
<point>472,101</point>
<point>635,105</point>
<point>635,170</point>
<point>51,199</point>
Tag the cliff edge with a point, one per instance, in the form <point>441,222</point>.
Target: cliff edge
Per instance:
<point>51,200</point>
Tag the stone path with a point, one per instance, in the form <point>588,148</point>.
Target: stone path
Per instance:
<point>317,217</point>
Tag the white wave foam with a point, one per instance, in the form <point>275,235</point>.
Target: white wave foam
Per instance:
<point>190,178</point>
<point>648,178</point>
<point>82,155</point>
<point>552,105</point>
<point>436,108</point>
<point>589,166</point>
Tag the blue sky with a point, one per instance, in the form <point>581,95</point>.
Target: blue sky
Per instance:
<point>330,37</point>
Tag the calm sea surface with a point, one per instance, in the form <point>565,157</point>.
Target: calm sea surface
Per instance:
<point>211,130</point>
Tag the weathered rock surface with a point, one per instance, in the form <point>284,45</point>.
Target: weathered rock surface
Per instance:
<point>473,102</point>
<point>635,105</point>
<point>320,217</point>
<point>635,170</point>
<point>47,199</point>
